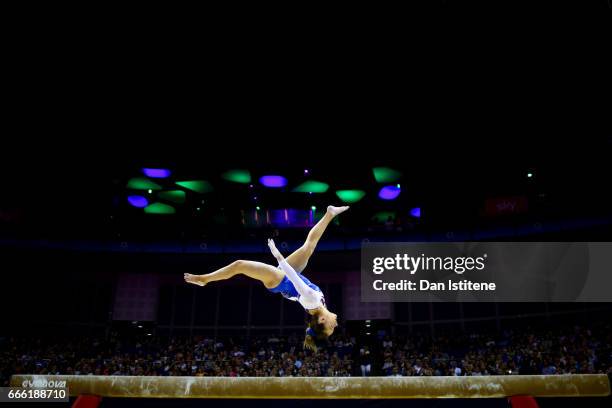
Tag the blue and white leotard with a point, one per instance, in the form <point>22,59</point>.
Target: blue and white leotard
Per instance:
<point>298,288</point>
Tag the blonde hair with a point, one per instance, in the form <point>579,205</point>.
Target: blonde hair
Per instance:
<point>310,343</point>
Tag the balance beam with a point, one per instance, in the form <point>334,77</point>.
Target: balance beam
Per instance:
<point>577,385</point>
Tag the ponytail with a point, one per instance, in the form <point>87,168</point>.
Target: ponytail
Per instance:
<point>310,343</point>
<point>313,334</point>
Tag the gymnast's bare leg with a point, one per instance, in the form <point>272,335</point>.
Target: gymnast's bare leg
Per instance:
<point>269,275</point>
<point>300,257</point>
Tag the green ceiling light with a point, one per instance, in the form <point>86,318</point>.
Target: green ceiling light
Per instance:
<point>238,176</point>
<point>199,186</point>
<point>159,208</point>
<point>383,216</point>
<point>350,196</point>
<point>142,183</point>
<point>176,196</point>
<point>386,174</point>
<point>312,186</point>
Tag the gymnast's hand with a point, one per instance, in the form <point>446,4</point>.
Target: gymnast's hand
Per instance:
<point>275,251</point>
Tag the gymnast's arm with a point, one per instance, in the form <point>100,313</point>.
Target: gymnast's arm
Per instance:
<point>303,289</point>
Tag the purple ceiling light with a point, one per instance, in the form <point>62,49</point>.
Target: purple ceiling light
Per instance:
<point>137,201</point>
<point>389,192</point>
<point>156,173</point>
<point>273,181</point>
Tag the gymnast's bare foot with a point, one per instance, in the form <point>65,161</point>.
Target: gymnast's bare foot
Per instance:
<point>199,280</point>
<point>336,210</point>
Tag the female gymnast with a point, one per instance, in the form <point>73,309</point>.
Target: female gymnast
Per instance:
<point>288,280</point>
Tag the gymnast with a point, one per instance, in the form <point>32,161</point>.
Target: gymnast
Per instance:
<point>288,280</point>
